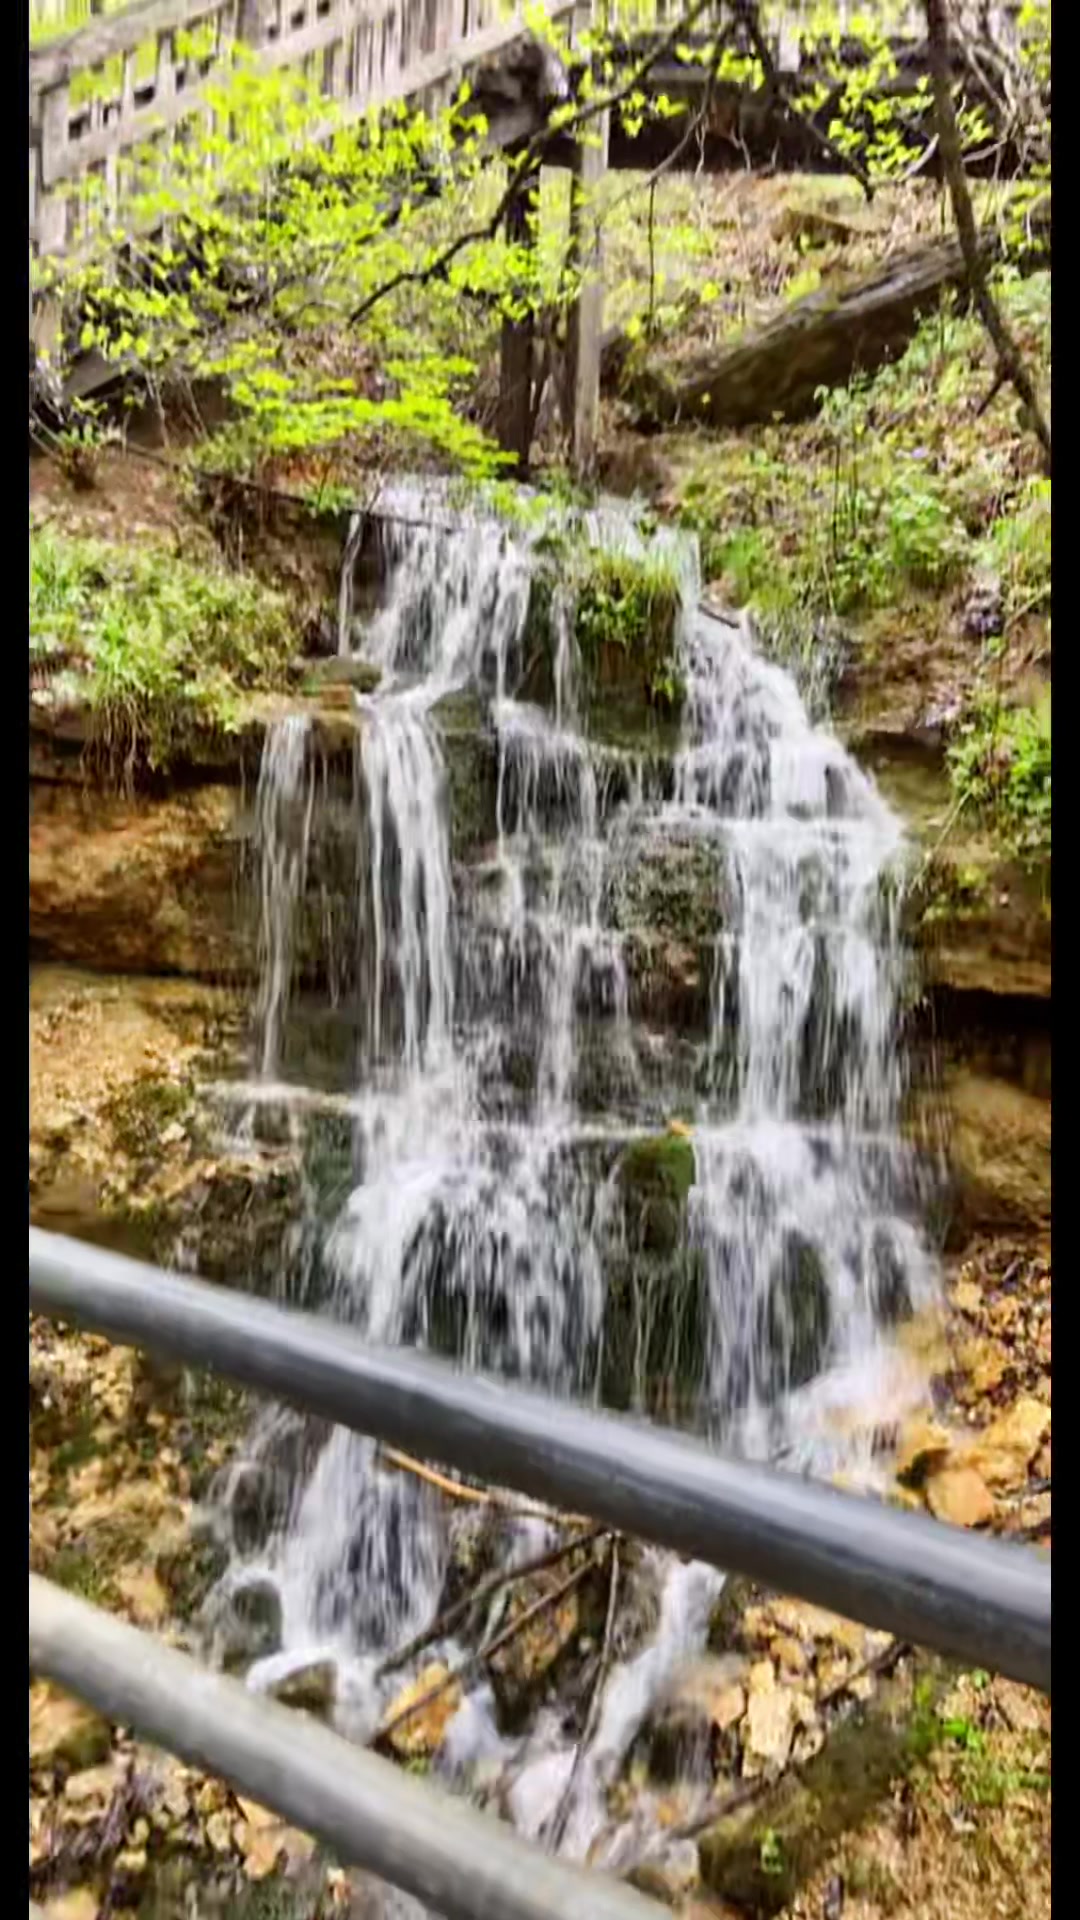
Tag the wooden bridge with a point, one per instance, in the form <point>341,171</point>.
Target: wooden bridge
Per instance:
<point>130,77</point>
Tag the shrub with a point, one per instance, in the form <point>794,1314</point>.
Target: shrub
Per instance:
<point>160,649</point>
<point>1000,764</point>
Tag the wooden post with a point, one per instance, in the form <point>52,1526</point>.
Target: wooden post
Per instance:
<point>587,314</point>
<point>516,346</point>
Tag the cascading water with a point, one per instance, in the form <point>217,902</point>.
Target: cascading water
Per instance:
<point>486,1217</point>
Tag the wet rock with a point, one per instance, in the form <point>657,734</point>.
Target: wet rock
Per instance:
<point>669,980</point>
<point>669,884</point>
<point>655,1332</point>
<point>342,670</point>
<point>548,1647</point>
<point>797,1319</point>
<point>311,1689</point>
<point>655,1177</point>
<point>470,756</point>
<point>705,1701</point>
<point>924,1446</point>
<point>248,1624</point>
<point>672,1875</point>
<point>960,1496</point>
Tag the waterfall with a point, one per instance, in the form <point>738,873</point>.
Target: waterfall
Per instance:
<point>510,1060</point>
<point>284,804</point>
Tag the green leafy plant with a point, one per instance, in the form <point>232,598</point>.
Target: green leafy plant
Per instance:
<point>1018,549</point>
<point>771,1853</point>
<point>161,650</point>
<point>999,764</point>
<point>631,604</point>
<point>79,443</point>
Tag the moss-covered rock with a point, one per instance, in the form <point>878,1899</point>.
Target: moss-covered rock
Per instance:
<point>797,1319</point>
<point>623,612</point>
<point>655,1177</point>
<point>671,884</point>
<point>655,1334</point>
<point>470,756</point>
<point>341,670</point>
<point>758,1857</point>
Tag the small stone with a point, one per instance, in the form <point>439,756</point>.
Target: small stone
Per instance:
<point>924,1445</point>
<point>808,1622</point>
<point>789,1653</point>
<point>960,1496</point>
<point>770,1724</point>
<point>967,1296</point>
<point>1020,1430</point>
<point>762,1678</point>
<point>310,1689</point>
<point>79,1904</point>
<point>1022,1709</point>
<point>671,1876</point>
<point>756,1624</point>
<point>92,1787</point>
<point>219,1832</point>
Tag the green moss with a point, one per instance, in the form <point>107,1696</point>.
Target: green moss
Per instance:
<point>625,612</point>
<point>656,1176</point>
<point>139,1115</point>
<point>759,1857</point>
<point>655,1334</point>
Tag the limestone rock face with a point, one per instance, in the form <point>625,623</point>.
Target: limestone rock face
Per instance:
<point>136,886</point>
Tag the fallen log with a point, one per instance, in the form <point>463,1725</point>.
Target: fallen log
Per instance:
<point>820,341</point>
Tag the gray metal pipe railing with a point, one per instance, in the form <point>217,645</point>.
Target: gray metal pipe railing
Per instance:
<point>407,1831</point>
<point>985,1601</point>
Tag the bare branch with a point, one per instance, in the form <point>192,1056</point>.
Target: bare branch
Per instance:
<point>527,161</point>
<point>1010,360</point>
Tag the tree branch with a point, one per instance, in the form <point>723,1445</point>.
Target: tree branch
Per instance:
<point>748,14</point>
<point>526,162</point>
<point>1010,360</point>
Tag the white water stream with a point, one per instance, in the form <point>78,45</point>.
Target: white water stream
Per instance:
<point>485,1216</point>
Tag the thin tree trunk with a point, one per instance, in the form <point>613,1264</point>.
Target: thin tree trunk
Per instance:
<point>1010,361</point>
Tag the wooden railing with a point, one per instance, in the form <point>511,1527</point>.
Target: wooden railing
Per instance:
<point>125,79</point>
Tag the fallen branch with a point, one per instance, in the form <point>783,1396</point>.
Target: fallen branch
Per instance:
<point>562,1812</point>
<point>817,341</point>
<point>505,1577</point>
<point>482,1654</point>
<point>1010,359</point>
<point>478,1496</point>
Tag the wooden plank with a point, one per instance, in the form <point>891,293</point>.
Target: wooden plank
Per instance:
<point>587,314</point>
<point>118,33</point>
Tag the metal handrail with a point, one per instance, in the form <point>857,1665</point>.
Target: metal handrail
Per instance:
<point>985,1601</point>
<point>371,1813</point>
